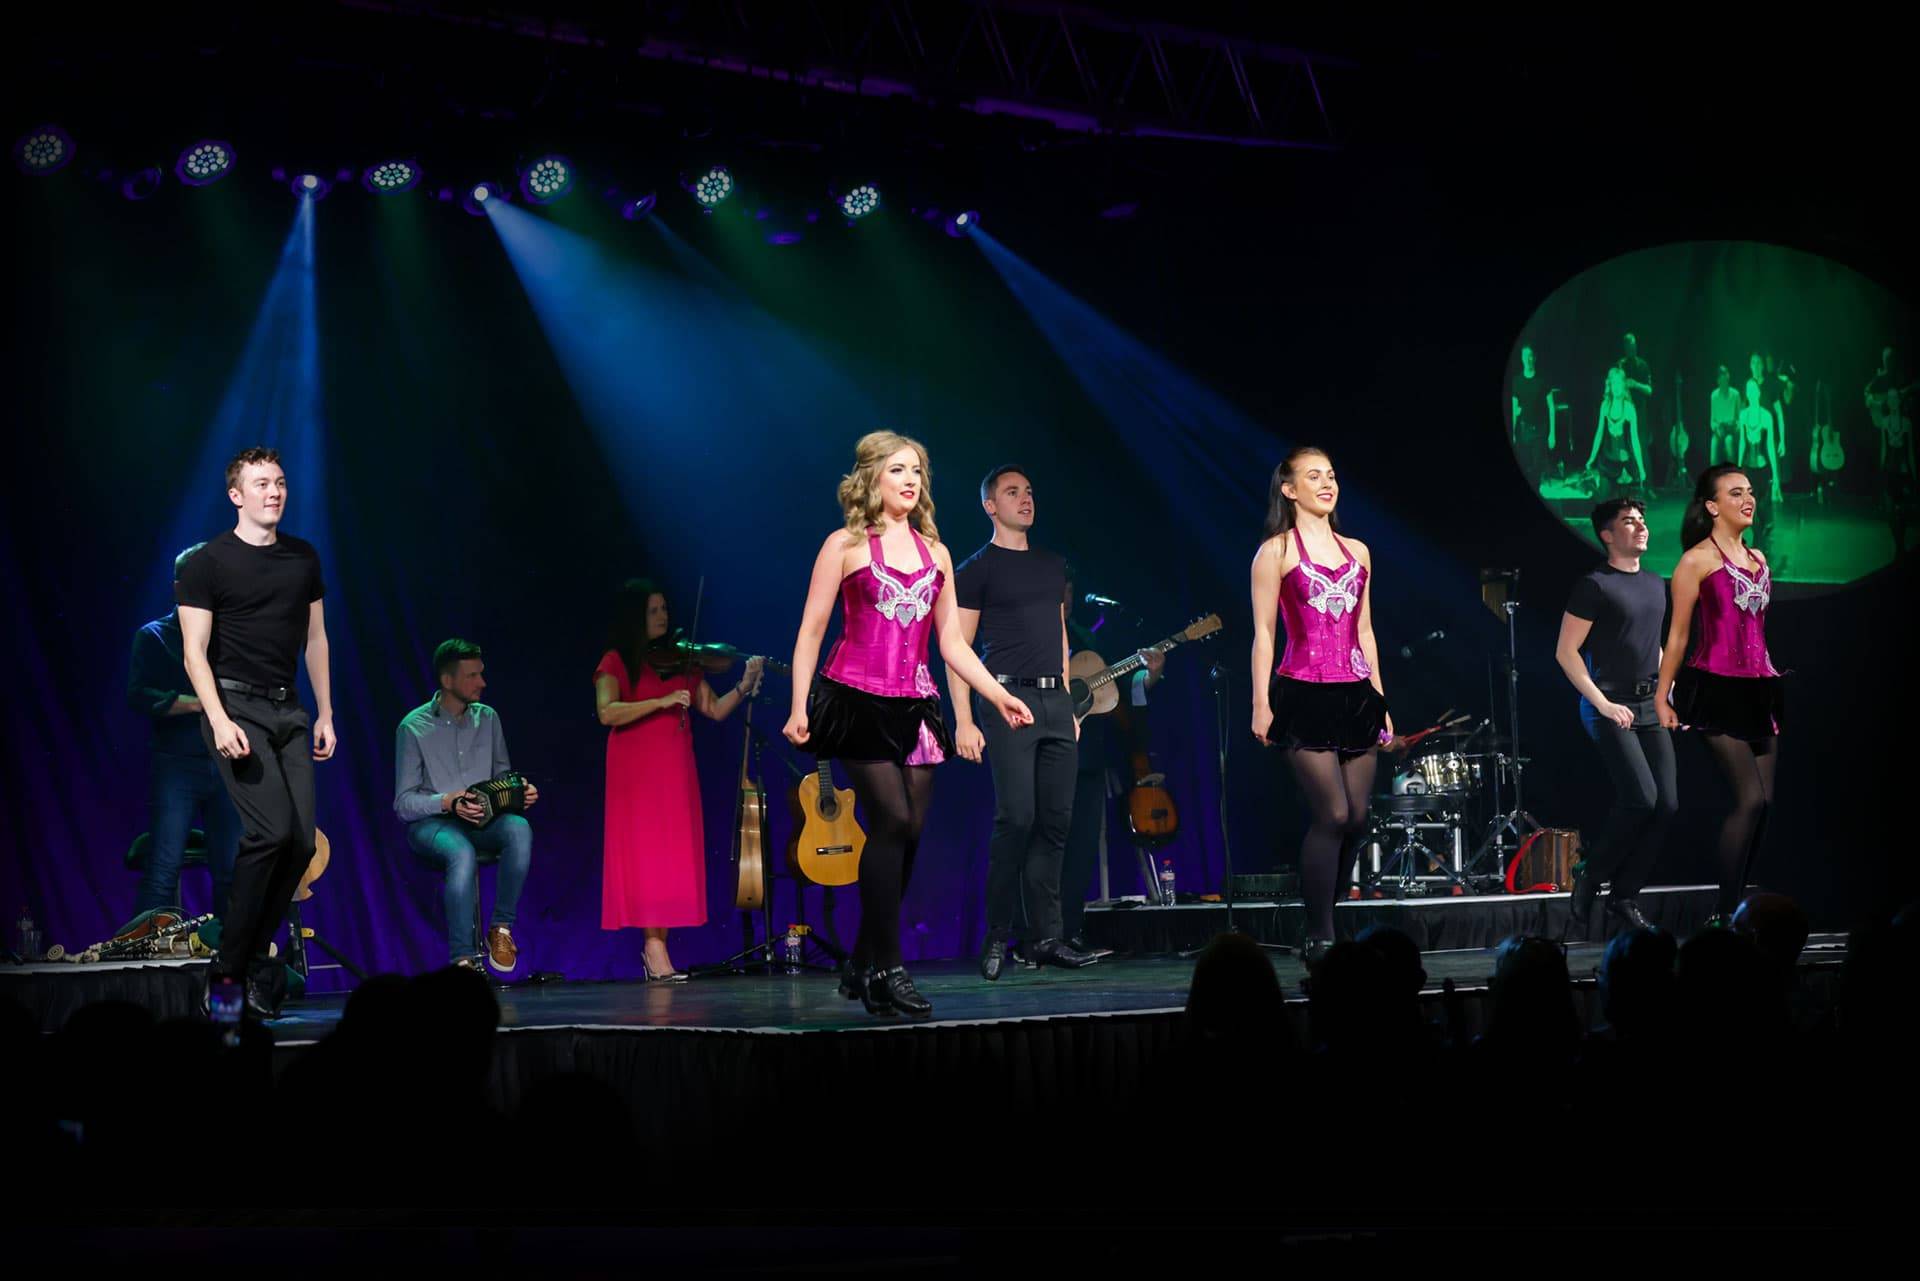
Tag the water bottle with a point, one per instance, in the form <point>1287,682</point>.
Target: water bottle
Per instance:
<point>1166,882</point>
<point>790,949</point>
<point>228,998</point>
<point>26,936</point>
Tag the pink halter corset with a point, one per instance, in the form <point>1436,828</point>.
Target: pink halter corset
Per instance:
<point>1320,610</point>
<point>886,618</point>
<point>1730,621</point>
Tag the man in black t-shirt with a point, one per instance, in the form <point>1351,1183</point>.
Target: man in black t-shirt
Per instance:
<point>1536,443</point>
<point>1617,613</point>
<point>249,603</point>
<point>1639,379</point>
<point>1012,599</point>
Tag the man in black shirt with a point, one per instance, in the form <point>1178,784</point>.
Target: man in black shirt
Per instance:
<point>249,603</point>
<point>1617,613</point>
<point>181,775</point>
<point>1536,443</point>
<point>1012,600</point>
<point>1639,379</point>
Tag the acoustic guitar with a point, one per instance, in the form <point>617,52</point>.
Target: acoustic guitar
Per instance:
<point>1152,820</point>
<point>1677,439</point>
<point>750,836</point>
<point>827,840</point>
<point>1090,680</point>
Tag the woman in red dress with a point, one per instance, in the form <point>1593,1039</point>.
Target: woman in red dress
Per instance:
<point>655,871</point>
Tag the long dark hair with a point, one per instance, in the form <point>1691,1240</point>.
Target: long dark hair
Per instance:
<point>1696,525</point>
<point>1280,515</point>
<point>628,635</point>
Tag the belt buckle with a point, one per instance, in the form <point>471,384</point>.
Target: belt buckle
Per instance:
<point>277,694</point>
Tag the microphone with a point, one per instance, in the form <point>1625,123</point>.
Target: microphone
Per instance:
<point>1406,651</point>
<point>1094,598</point>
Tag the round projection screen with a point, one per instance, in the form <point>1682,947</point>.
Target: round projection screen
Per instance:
<point>1637,375</point>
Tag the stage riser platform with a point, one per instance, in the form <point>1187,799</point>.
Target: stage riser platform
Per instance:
<point>1435,924</point>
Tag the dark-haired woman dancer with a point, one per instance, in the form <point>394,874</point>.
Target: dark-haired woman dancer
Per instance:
<point>1716,676</point>
<point>1323,705</point>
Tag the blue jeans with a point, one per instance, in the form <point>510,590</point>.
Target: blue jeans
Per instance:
<point>453,848</point>
<point>176,785</point>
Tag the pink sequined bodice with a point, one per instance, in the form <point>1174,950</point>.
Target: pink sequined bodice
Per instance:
<point>1320,611</point>
<point>886,617</point>
<point>1730,622</point>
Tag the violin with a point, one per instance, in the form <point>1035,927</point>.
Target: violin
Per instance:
<point>675,655</point>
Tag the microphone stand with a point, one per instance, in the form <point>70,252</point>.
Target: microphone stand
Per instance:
<point>1221,686</point>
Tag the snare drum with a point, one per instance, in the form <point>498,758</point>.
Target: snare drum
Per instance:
<point>1444,771</point>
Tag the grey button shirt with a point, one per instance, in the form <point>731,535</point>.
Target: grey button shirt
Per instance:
<point>435,754</point>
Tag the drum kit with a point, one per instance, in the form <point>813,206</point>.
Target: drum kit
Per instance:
<point>1417,839</point>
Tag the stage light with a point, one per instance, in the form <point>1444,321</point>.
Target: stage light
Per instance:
<point>42,151</point>
<point>204,163</point>
<point>963,223</point>
<point>546,179</point>
<point>477,196</point>
<point>861,201</point>
<point>391,177</point>
<point>713,186</point>
<point>143,184</point>
<point>639,207</point>
<point>310,186</point>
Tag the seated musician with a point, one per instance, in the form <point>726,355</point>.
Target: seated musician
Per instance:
<point>444,748</point>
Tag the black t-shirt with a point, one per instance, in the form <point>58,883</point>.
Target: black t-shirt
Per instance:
<point>259,598</point>
<point>1532,395</point>
<point>1019,596</point>
<point>1629,617</point>
<point>1637,370</point>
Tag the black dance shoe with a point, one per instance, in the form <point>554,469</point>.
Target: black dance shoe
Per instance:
<point>993,959</point>
<point>263,996</point>
<point>1065,955</point>
<point>1628,913</point>
<point>902,995</point>
<point>875,993</point>
<point>1079,943</point>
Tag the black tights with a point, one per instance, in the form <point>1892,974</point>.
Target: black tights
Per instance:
<point>1336,789</point>
<point>894,799</point>
<point>1749,768</point>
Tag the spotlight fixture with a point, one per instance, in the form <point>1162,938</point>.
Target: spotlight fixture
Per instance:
<point>546,179</point>
<point>713,186</point>
<point>861,201</point>
<point>639,207</point>
<point>204,163</point>
<point>391,177</point>
<point>476,198</point>
<point>42,151</point>
<point>141,185</point>
<point>310,186</point>
<point>963,223</point>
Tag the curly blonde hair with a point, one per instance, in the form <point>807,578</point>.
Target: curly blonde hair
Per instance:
<point>860,491</point>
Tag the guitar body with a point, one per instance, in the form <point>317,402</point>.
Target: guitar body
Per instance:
<point>827,840</point>
<point>322,855</point>
<point>1833,456</point>
<point>1152,819</point>
<point>750,894</point>
<point>1089,701</point>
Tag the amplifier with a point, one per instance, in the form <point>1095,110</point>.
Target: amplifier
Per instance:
<point>1267,885</point>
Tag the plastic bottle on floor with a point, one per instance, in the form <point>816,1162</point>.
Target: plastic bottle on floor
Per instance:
<point>1166,882</point>
<point>790,949</point>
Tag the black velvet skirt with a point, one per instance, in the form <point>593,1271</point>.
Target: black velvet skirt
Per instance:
<point>850,724</point>
<point>1746,707</point>
<point>1327,716</point>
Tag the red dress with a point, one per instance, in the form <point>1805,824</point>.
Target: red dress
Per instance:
<point>654,867</point>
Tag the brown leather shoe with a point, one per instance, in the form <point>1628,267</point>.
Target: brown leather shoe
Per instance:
<point>502,955</point>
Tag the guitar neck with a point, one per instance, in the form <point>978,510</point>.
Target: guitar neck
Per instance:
<point>1128,665</point>
<point>824,774</point>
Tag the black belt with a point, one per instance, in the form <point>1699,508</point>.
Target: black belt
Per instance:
<point>1640,689</point>
<point>1031,682</point>
<point>272,693</point>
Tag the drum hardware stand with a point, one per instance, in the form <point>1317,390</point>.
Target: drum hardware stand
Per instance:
<point>1403,856</point>
<point>1218,674</point>
<point>1499,590</point>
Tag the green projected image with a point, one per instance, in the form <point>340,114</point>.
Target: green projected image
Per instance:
<point>1639,373</point>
